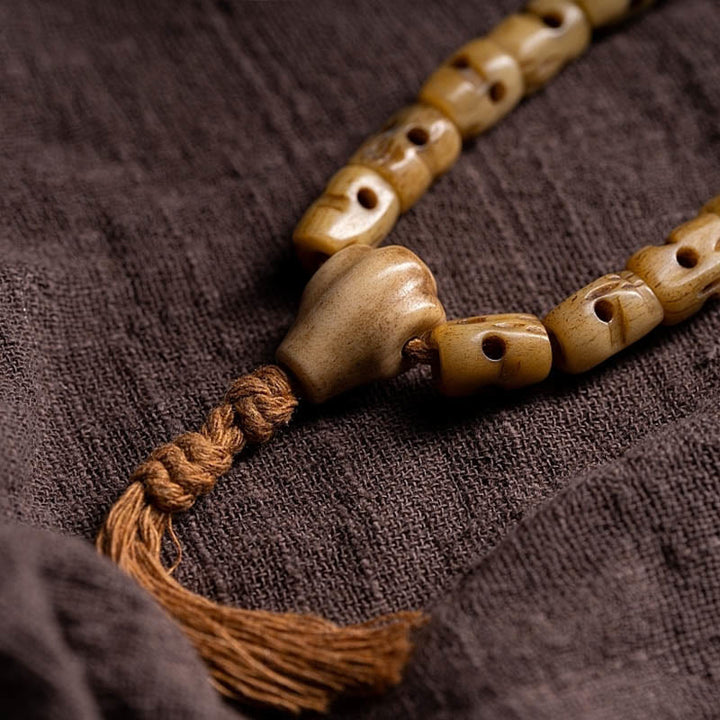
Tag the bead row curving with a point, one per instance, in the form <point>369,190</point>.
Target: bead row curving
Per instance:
<point>367,312</point>
<point>469,93</point>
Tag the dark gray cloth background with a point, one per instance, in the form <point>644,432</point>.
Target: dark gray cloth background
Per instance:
<point>155,158</point>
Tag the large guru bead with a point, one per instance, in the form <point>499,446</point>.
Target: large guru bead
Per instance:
<point>355,316</point>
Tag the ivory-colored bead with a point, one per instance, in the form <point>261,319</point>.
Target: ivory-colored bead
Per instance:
<point>543,38</point>
<point>416,145</point>
<point>600,320</point>
<point>684,272</point>
<point>606,12</point>
<point>475,87</point>
<point>355,316</point>
<point>507,351</point>
<point>358,206</point>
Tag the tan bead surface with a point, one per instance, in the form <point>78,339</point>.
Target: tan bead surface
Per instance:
<point>356,314</point>
<point>606,12</point>
<point>684,272</point>
<point>476,87</point>
<point>600,320</point>
<point>712,206</point>
<point>543,38</point>
<point>415,146</point>
<point>357,207</point>
<point>507,351</point>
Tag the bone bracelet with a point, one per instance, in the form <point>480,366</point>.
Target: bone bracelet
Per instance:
<point>388,297</point>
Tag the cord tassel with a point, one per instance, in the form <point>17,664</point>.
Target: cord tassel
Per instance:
<point>288,661</point>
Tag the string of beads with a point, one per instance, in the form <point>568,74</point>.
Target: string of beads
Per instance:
<point>470,92</point>
<point>370,313</point>
<point>366,310</point>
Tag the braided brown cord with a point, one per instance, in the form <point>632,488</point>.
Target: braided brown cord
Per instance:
<point>290,661</point>
<point>178,472</point>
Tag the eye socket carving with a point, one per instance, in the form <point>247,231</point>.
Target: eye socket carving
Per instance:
<point>367,198</point>
<point>418,135</point>
<point>461,62</point>
<point>493,347</point>
<point>497,92</point>
<point>603,310</point>
<point>552,20</point>
<point>687,257</point>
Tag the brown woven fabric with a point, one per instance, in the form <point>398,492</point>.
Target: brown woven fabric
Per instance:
<point>565,539</point>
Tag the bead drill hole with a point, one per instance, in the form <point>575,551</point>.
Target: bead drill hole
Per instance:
<point>604,310</point>
<point>497,92</point>
<point>493,347</point>
<point>367,198</point>
<point>552,20</point>
<point>460,63</point>
<point>687,257</point>
<point>418,135</point>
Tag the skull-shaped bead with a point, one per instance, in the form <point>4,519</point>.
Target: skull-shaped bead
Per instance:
<point>355,316</point>
<point>543,38</point>
<point>684,272</point>
<point>357,207</point>
<point>600,320</point>
<point>476,87</point>
<point>508,351</point>
<point>415,146</point>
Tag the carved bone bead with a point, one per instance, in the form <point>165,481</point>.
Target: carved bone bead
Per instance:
<point>605,12</point>
<point>600,320</point>
<point>508,351</point>
<point>416,145</point>
<point>476,87</point>
<point>357,207</point>
<point>684,272</point>
<point>356,314</point>
<point>543,38</point>
<point>712,206</point>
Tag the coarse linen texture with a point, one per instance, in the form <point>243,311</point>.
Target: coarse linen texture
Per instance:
<point>564,538</point>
